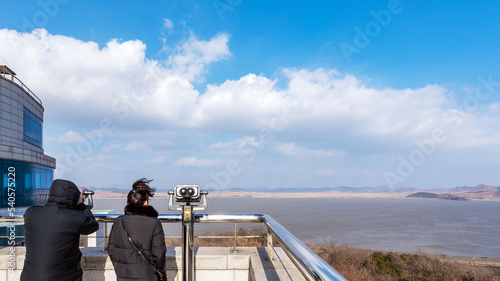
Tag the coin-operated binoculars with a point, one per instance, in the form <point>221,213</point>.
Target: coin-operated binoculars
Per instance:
<point>87,198</point>
<point>187,194</point>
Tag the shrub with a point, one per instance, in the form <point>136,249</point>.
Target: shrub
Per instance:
<point>363,264</point>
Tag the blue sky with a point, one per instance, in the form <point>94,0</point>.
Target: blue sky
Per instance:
<point>237,93</point>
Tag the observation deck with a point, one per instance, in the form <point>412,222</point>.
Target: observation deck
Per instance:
<point>291,260</point>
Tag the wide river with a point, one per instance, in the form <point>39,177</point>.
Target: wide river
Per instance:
<point>470,228</point>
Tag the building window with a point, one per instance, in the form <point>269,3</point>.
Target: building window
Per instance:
<point>32,128</point>
<point>31,185</point>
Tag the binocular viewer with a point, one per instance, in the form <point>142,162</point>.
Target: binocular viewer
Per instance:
<point>87,197</point>
<point>87,192</point>
<point>187,193</point>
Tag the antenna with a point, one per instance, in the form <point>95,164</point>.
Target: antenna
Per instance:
<point>6,62</point>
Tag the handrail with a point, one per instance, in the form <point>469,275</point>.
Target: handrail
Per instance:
<point>303,257</point>
<point>25,88</point>
<point>309,263</point>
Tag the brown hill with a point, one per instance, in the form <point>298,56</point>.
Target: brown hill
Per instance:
<point>478,192</point>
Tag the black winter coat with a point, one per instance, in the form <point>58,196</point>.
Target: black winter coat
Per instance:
<point>146,231</point>
<point>53,235</point>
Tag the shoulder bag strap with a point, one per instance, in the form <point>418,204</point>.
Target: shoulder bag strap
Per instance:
<point>131,242</point>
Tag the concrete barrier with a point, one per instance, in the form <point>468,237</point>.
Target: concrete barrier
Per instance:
<point>211,263</point>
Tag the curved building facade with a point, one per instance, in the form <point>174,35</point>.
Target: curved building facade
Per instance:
<point>26,171</point>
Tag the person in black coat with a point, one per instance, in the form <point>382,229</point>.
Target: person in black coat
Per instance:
<point>53,235</point>
<point>146,232</point>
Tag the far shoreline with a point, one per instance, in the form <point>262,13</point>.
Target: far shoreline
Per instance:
<point>103,194</point>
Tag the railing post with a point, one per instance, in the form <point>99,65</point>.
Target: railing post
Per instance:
<point>235,234</point>
<point>269,245</point>
<point>105,242</point>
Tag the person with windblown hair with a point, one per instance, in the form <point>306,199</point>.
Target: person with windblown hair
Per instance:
<point>136,241</point>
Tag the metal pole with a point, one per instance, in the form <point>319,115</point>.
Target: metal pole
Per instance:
<point>235,233</point>
<point>269,246</point>
<point>105,242</point>
<point>187,244</point>
<point>183,193</point>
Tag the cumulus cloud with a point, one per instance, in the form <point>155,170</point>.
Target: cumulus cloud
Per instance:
<point>252,99</point>
<point>81,81</point>
<point>153,105</point>
<point>193,55</point>
<point>78,80</point>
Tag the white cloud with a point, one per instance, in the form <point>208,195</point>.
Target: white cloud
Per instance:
<point>71,137</point>
<point>154,106</point>
<point>135,146</point>
<point>79,81</point>
<point>192,56</point>
<point>195,162</point>
<point>329,100</point>
<point>249,102</point>
<point>167,23</point>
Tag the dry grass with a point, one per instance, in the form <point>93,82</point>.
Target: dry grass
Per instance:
<point>362,264</point>
<point>367,265</point>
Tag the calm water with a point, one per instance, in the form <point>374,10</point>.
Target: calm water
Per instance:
<point>470,228</point>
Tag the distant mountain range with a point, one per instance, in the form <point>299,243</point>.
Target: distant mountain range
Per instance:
<point>479,192</point>
<point>366,189</point>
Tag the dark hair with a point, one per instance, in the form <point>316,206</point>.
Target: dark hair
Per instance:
<point>140,192</point>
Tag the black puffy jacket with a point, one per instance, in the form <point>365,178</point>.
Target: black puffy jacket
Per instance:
<point>53,235</point>
<point>146,231</point>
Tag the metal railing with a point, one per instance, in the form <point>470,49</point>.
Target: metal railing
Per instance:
<point>5,71</point>
<point>308,262</point>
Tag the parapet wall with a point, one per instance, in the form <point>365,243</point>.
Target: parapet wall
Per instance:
<point>211,263</point>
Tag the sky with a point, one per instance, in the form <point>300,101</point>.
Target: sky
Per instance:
<point>249,94</point>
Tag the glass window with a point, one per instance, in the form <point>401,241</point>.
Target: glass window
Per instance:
<point>32,128</point>
<point>32,182</point>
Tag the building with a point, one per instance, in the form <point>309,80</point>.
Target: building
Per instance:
<point>26,171</point>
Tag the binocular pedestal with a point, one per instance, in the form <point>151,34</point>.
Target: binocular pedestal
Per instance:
<point>187,211</point>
